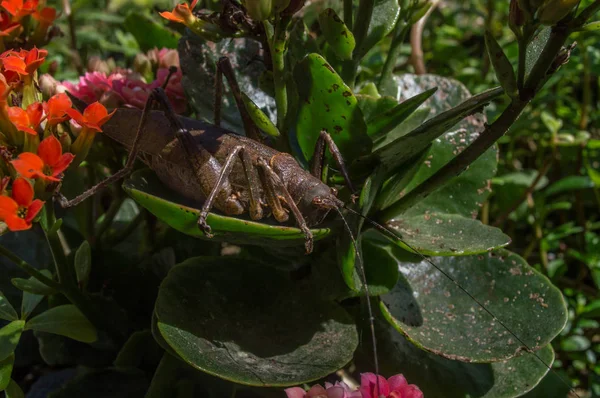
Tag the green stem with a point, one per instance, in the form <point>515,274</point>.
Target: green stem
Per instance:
<point>113,240</point>
<point>361,28</point>
<point>586,14</point>
<point>165,374</point>
<point>522,42</point>
<point>25,266</point>
<point>491,133</point>
<point>278,47</point>
<point>109,216</point>
<point>400,33</point>
<point>348,13</point>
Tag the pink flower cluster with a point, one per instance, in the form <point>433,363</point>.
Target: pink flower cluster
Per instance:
<point>124,87</point>
<point>394,387</point>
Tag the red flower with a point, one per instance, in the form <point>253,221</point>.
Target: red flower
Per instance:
<point>46,15</point>
<point>27,120</point>
<point>6,25</point>
<point>394,387</point>
<point>56,108</point>
<point>23,62</point>
<point>19,9</point>
<point>19,211</point>
<point>94,116</point>
<point>50,163</point>
<point>182,13</point>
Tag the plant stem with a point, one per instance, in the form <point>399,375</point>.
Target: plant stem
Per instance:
<point>361,28</point>
<point>522,42</point>
<point>348,13</point>
<point>491,133</point>
<point>109,216</point>
<point>390,61</point>
<point>278,47</point>
<point>32,271</point>
<point>586,14</point>
<point>165,374</point>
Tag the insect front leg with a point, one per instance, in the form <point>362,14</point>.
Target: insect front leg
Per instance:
<point>274,178</point>
<point>318,160</point>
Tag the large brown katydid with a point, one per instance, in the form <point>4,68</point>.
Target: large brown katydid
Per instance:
<point>232,173</point>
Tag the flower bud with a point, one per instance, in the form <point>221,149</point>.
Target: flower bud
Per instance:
<point>516,16</point>
<point>294,7</point>
<point>553,11</point>
<point>143,66</point>
<point>259,10</point>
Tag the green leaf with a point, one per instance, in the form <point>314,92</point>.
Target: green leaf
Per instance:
<point>575,343</point>
<point>7,312</point>
<point>34,286</point>
<point>102,383</point>
<point>83,263</point>
<point>439,317</point>
<point>406,146</point>
<point>13,390</point>
<point>237,326</point>
<point>337,34</point>
<point>326,103</point>
<point>535,48</point>
<point>589,27</point>
<point>9,338</point>
<point>502,66</point>
<point>568,184</point>
<point>65,320</point>
<point>29,302</point>
<point>384,18</point>
<point>382,123</point>
<point>456,379</point>
<point>261,120</point>
<point>149,33</point>
<point>448,234</point>
<point>6,367</point>
<point>148,191</point>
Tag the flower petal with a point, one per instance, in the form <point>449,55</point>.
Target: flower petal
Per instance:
<point>33,210</point>
<point>16,223</point>
<point>76,115</point>
<point>316,391</point>
<point>62,164</point>
<point>18,116</point>
<point>28,165</point>
<point>295,392</point>
<point>22,192</point>
<point>7,206</point>
<point>396,382</point>
<point>50,150</point>
<point>94,113</point>
<point>170,16</point>
<point>15,64</point>
<point>35,112</point>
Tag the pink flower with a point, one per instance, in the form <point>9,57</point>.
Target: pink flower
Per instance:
<point>92,87</point>
<point>339,390</point>
<point>133,92</point>
<point>174,88</point>
<point>394,387</point>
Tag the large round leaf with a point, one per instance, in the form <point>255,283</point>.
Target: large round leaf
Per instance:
<point>177,212</point>
<point>435,314</point>
<point>454,379</point>
<point>249,324</point>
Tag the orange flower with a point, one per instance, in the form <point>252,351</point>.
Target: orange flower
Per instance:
<point>182,13</point>
<point>94,116</point>
<point>6,25</point>
<point>27,120</point>
<point>50,163</point>
<point>19,211</point>
<point>19,8</point>
<point>46,15</point>
<point>56,108</point>
<point>23,62</point>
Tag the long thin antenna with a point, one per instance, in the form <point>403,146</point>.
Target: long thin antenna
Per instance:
<point>489,312</point>
<point>368,296</point>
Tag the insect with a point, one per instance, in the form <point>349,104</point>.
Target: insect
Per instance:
<point>237,174</point>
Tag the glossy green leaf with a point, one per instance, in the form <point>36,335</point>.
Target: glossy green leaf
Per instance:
<point>32,285</point>
<point>337,34</point>
<point>13,390</point>
<point>502,66</point>
<point>148,191</point>
<point>455,379</point>
<point>237,327</point>
<point>9,338</point>
<point>535,48</point>
<point>261,120</point>
<point>65,320</point>
<point>405,147</point>
<point>107,382</point>
<point>568,184</point>
<point>29,302</point>
<point>384,17</point>
<point>381,124</point>
<point>575,343</point>
<point>448,234</point>
<point>83,263</point>
<point>439,317</point>
<point>7,312</point>
<point>149,33</point>
<point>590,27</point>
<point>6,367</point>
<point>326,103</point>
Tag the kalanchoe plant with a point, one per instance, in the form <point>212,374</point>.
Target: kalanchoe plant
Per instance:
<point>402,278</point>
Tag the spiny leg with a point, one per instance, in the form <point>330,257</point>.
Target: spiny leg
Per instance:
<point>291,204</point>
<point>318,160</point>
<point>224,67</point>
<point>253,181</point>
<point>65,203</point>
<point>273,200</point>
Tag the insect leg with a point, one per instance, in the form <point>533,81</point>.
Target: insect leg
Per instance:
<point>290,202</point>
<point>224,67</point>
<point>253,181</point>
<point>318,159</point>
<point>273,200</point>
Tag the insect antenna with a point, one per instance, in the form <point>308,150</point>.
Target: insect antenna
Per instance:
<point>396,236</point>
<point>368,297</point>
